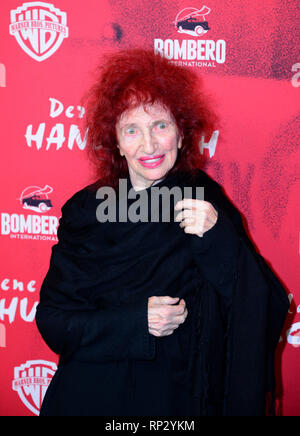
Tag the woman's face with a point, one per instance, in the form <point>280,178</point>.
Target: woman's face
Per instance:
<point>149,139</point>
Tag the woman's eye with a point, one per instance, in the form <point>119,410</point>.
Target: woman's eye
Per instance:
<point>130,131</point>
<point>161,126</point>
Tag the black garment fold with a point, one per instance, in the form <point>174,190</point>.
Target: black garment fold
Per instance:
<point>93,313</point>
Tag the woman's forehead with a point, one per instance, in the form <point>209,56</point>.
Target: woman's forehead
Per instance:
<point>146,112</point>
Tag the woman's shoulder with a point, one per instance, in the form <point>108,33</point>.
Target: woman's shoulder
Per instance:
<point>80,208</point>
<point>78,199</point>
<point>200,178</point>
<point>216,194</point>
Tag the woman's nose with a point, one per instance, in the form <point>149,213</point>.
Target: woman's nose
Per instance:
<point>148,143</point>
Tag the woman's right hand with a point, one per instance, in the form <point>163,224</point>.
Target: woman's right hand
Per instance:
<point>164,315</point>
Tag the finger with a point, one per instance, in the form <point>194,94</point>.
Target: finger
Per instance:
<point>154,316</point>
<point>190,203</point>
<point>186,213</point>
<point>156,333</point>
<point>161,332</point>
<point>162,326</point>
<point>178,310</point>
<point>180,319</point>
<point>167,300</point>
<point>168,333</point>
<point>188,222</point>
<point>190,229</point>
<point>181,303</point>
<point>199,218</point>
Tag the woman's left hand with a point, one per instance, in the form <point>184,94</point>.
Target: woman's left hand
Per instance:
<point>196,216</point>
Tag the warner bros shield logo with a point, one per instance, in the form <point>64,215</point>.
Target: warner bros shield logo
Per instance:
<point>39,28</point>
<point>31,381</point>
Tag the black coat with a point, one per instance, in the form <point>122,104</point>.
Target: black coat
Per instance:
<point>93,313</point>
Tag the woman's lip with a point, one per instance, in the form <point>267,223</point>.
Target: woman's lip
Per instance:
<point>149,164</point>
<point>152,157</point>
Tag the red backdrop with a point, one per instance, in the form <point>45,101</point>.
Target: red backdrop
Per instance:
<point>250,65</point>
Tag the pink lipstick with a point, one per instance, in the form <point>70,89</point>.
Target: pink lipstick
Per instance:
<point>152,162</point>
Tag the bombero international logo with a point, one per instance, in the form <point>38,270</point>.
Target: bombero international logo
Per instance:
<point>39,28</point>
<point>35,227</point>
<point>196,52</point>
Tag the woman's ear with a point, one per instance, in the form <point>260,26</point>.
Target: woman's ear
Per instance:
<point>180,142</point>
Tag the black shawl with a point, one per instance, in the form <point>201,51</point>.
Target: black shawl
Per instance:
<point>93,304</point>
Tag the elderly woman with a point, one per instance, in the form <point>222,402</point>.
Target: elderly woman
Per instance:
<point>156,317</point>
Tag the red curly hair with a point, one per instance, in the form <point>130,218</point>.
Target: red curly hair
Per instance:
<point>133,77</point>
